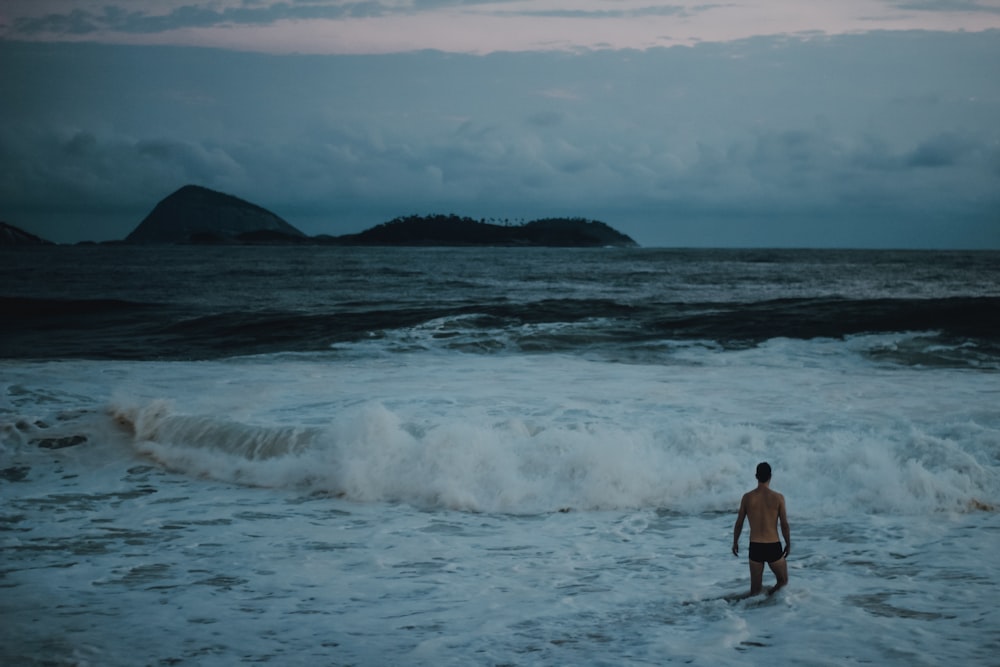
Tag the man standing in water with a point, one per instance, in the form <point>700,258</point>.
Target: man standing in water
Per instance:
<point>765,508</point>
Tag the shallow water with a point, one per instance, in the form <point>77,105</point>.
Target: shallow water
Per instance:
<point>438,548</point>
<point>257,576</point>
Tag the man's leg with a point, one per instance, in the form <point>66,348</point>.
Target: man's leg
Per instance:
<point>780,569</point>
<point>756,577</point>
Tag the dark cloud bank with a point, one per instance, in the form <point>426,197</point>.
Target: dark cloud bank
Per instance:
<point>886,139</point>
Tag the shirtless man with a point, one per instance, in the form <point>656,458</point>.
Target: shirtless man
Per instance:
<point>765,508</point>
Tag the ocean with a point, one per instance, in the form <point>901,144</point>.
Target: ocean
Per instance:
<point>495,456</point>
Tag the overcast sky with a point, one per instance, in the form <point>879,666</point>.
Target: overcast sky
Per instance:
<point>859,123</point>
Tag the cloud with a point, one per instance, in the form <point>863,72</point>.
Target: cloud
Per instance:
<point>91,18</point>
<point>943,150</point>
<point>468,26</point>
<point>118,18</point>
<point>617,13</point>
<point>745,136</point>
<point>78,169</point>
<point>184,14</point>
<point>500,172</point>
<point>947,6</point>
<point>546,118</point>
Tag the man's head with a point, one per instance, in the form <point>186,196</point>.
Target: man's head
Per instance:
<point>763,472</point>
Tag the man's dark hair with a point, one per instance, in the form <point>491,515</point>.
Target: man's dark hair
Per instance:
<point>763,472</point>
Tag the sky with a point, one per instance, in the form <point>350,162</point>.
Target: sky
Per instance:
<point>748,123</point>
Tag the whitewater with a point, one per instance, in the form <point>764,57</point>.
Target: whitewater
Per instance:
<point>495,456</point>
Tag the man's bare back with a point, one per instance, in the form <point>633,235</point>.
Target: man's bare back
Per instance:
<point>766,510</point>
<point>763,507</point>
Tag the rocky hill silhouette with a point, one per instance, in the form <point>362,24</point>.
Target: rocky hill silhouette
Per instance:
<point>11,235</point>
<point>194,214</point>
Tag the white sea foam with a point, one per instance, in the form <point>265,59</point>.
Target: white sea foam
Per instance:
<point>189,528</point>
<point>537,434</point>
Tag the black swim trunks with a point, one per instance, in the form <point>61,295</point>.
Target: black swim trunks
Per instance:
<point>766,552</point>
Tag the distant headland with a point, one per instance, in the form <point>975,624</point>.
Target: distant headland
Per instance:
<point>200,216</point>
<point>11,235</point>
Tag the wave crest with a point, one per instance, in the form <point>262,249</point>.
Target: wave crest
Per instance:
<point>368,453</point>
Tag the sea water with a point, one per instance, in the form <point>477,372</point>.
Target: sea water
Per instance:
<point>322,456</point>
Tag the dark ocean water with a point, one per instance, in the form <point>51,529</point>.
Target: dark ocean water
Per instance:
<point>208,302</point>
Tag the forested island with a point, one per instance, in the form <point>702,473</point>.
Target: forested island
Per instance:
<point>452,230</point>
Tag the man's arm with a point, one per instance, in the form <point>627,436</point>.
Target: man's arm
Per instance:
<point>738,528</point>
<point>786,531</point>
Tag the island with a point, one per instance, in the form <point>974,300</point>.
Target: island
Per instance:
<point>196,215</point>
<point>452,230</point>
